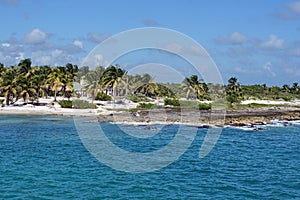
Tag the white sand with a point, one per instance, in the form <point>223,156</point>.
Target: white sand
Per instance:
<point>104,107</point>
<point>269,102</point>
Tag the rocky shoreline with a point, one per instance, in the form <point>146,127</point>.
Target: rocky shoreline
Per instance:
<point>245,117</point>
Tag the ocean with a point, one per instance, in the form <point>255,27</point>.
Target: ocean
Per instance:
<point>43,157</point>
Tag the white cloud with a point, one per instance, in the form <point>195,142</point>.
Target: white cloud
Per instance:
<point>273,42</point>
<point>295,7</point>
<point>233,38</point>
<point>5,44</point>
<point>97,38</point>
<point>36,36</point>
<point>56,53</point>
<point>268,66</point>
<point>78,43</point>
<point>237,38</point>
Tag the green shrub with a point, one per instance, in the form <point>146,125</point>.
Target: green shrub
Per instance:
<point>101,96</point>
<point>186,104</point>
<point>65,103</point>
<point>1,101</point>
<point>257,105</point>
<point>82,104</point>
<point>77,104</point>
<point>204,106</point>
<point>171,102</point>
<point>287,98</point>
<point>145,105</point>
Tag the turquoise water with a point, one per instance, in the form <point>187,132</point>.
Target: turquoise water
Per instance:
<point>43,158</point>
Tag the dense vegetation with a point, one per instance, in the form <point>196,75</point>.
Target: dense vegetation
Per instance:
<point>27,82</point>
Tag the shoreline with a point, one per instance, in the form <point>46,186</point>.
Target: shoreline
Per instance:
<point>236,118</point>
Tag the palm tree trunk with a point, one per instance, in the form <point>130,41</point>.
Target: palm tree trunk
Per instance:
<point>55,92</point>
<point>114,95</point>
<point>7,98</point>
<point>187,94</point>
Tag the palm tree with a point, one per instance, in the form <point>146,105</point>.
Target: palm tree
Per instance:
<point>8,86</point>
<point>233,90</point>
<point>26,89</point>
<point>199,88</point>
<point>295,87</point>
<point>186,87</point>
<point>148,89</point>
<point>25,68</point>
<point>286,88</point>
<point>93,85</point>
<point>25,86</point>
<point>111,77</point>
<point>39,81</point>
<point>154,90</point>
<point>54,81</point>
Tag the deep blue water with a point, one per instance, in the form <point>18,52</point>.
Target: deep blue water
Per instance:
<point>42,157</point>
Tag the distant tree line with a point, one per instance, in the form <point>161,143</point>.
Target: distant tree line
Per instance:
<point>27,82</point>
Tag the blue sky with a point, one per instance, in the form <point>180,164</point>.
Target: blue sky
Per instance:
<point>256,41</point>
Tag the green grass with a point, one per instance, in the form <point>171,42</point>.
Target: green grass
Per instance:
<point>77,104</point>
<point>82,104</point>
<point>148,106</point>
<point>204,106</point>
<point>254,105</point>
<point>138,98</point>
<point>186,104</point>
<point>171,102</point>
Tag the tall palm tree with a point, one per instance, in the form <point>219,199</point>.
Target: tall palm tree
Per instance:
<point>133,82</point>
<point>286,88</point>
<point>186,87</point>
<point>111,77</point>
<point>233,90</point>
<point>54,80</point>
<point>26,89</point>
<point>295,87</point>
<point>93,84</point>
<point>154,90</point>
<point>39,81</point>
<point>8,86</point>
<point>148,89</point>
<point>25,86</point>
<point>25,68</point>
<point>199,88</point>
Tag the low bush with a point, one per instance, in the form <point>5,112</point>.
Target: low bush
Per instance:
<point>101,96</point>
<point>172,102</point>
<point>204,106</point>
<point>187,104</point>
<point>1,101</point>
<point>77,104</point>
<point>287,98</point>
<point>146,105</point>
<point>82,104</point>
<point>65,103</point>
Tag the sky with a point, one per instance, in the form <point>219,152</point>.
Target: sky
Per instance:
<point>256,41</point>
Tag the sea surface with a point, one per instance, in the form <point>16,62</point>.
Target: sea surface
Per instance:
<point>42,157</point>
